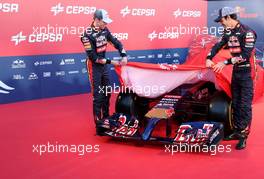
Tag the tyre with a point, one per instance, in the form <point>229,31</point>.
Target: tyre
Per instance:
<point>130,103</point>
<point>219,110</point>
<point>125,103</point>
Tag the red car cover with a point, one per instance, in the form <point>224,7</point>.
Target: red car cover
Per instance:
<point>172,75</point>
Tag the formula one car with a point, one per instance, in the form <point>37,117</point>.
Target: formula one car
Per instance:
<point>185,103</point>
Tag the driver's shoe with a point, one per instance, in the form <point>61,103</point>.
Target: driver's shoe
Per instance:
<point>233,136</point>
<point>241,143</point>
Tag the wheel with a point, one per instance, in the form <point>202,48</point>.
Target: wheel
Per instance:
<point>130,103</point>
<point>125,103</point>
<point>219,110</point>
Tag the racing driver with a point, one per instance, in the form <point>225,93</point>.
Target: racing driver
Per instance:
<point>95,40</point>
<point>240,40</point>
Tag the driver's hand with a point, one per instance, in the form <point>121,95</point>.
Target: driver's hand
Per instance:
<point>102,61</point>
<point>115,63</point>
<point>209,63</point>
<point>123,61</point>
<point>219,67</point>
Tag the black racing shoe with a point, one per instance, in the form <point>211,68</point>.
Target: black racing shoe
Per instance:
<point>241,143</point>
<point>99,129</point>
<point>233,136</point>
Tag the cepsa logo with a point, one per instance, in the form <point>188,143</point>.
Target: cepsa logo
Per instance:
<point>187,13</point>
<point>9,7</point>
<point>70,9</point>
<point>163,35</point>
<point>36,38</point>
<point>137,12</point>
<point>120,36</point>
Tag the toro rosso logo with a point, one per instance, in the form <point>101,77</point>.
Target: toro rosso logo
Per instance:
<point>137,12</point>
<point>124,127</point>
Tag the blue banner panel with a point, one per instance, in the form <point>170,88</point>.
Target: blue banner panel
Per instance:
<point>42,76</point>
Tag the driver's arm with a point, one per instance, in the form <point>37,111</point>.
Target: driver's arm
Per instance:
<point>223,41</point>
<point>116,43</point>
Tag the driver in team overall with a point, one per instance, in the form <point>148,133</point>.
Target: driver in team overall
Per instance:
<point>95,40</point>
<point>240,39</point>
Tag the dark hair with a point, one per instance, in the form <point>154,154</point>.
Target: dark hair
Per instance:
<point>232,16</point>
<point>98,15</point>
